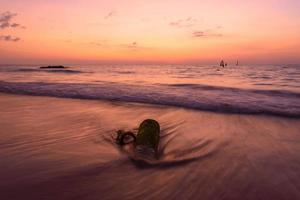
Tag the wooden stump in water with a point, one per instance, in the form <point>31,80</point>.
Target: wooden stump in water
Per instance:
<point>148,134</point>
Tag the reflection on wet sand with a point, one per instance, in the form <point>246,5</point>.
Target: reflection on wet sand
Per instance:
<point>55,148</point>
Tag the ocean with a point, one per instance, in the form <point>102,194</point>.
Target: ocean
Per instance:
<point>226,133</point>
<point>272,90</point>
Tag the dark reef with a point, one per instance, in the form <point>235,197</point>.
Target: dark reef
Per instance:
<point>53,67</point>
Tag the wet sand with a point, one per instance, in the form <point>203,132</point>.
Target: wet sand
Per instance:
<point>55,148</point>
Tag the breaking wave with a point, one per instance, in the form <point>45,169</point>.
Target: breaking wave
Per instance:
<point>194,96</point>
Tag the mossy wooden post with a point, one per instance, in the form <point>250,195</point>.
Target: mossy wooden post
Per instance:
<point>148,134</point>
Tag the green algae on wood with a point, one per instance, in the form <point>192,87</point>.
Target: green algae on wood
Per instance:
<point>148,134</point>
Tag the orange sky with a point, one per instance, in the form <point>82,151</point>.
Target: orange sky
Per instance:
<point>166,31</point>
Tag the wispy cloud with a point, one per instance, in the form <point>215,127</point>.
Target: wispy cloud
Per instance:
<point>192,22</point>
<point>135,46</point>
<point>206,34</point>
<point>6,20</point>
<point>182,23</point>
<point>15,25</point>
<point>101,43</point>
<point>96,44</point>
<point>110,14</point>
<point>132,45</point>
<point>9,38</point>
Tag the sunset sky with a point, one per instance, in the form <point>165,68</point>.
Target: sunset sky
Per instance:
<point>154,31</point>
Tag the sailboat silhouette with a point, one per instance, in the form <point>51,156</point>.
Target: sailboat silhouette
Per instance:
<point>222,64</point>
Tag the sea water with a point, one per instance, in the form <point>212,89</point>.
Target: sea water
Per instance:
<point>265,89</point>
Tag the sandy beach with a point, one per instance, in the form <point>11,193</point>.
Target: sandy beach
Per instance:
<point>149,100</point>
<point>56,148</point>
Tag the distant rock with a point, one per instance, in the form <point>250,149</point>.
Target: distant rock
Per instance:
<point>53,67</point>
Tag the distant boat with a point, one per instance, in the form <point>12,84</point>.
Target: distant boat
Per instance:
<point>222,64</point>
<point>237,63</point>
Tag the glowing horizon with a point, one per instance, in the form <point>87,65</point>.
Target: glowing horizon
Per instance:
<point>169,31</point>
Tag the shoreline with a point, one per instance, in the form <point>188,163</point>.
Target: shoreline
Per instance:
<point>160,105</point>
<point>56,148</point>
